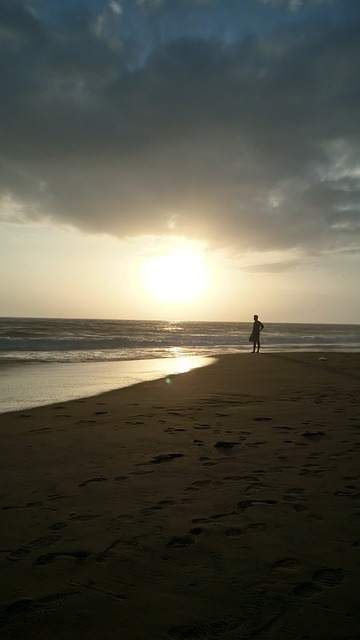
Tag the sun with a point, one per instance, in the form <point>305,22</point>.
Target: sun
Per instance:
<point>177,277</point>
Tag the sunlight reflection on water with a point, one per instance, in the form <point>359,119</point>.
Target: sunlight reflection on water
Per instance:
<point>183,365</point>
<point>23,386</point>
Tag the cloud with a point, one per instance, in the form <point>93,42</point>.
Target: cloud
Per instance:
<point>271,267</point>
<point>132,130</point>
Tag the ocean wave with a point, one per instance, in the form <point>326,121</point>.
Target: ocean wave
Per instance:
<point>58,340</point>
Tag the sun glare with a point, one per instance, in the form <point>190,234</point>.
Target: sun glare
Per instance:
<point>177,277</point>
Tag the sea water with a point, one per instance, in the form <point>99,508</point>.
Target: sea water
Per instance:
<point>51,360</point>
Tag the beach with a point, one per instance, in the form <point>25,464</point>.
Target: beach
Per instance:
<point>27,385</point>
<point>223,502</point>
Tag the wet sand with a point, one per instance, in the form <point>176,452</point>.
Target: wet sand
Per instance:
<point>220,503</point>
<point>24,385</point>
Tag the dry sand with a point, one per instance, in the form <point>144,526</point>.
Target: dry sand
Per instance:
<point>225,504</point>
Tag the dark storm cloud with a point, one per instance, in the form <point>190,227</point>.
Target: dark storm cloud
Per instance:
<point>138,118</point>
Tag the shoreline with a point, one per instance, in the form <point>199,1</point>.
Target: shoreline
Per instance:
<point>34,384</point>
<point>27,385</point>
<point>223,504</point>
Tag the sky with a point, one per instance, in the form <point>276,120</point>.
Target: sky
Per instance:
<point>180,159</point>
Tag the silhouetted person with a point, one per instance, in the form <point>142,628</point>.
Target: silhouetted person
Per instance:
<point>255,334</point>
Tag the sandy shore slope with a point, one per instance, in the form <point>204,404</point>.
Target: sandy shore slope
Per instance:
<point>224,504</point>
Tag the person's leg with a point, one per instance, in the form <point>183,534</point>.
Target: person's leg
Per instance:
<point>254,346</point>
<point>258,345</point>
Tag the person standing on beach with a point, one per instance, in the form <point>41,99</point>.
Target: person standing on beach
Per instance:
<point>255,334</point>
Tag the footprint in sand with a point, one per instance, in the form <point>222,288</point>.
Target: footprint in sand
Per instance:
<point>18,554</point>
<point>27,611</point>
<point>349,491</point>
<point>287,565</point>
<point>220,516</point>
<point>162,457</point>
<point>201,520</point>
<point>323,579</point>
<point>180,542</point>
<point>157,507</point>
<point>196,531</point>
<point>314,435</point>
<point>87,517</point>
<point>329,578</point>
<point>297,506</point>
<point>201,483</point>
<point>165,457</point>
<point>225,444</point>
<point>100,479</point>
<point>39,543</point>
<point>292,495</point>
<point>57,497</point>
<point>49,558</point>
<point>246,504</point>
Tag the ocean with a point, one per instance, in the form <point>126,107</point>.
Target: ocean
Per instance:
<point>53,360</point>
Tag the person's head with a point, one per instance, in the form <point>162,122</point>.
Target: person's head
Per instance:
<point>256,317</point>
